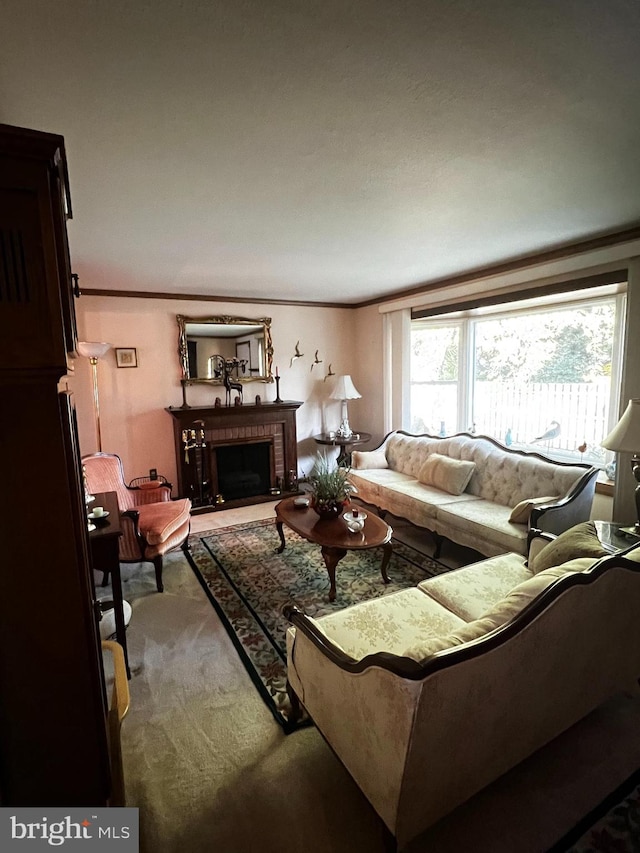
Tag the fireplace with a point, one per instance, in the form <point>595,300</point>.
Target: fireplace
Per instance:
<point>240,454</point>
<point>242,469</point>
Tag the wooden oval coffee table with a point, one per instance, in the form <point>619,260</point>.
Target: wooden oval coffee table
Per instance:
<point>334,537</point>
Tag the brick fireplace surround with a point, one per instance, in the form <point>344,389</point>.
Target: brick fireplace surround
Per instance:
<point>199,433</point>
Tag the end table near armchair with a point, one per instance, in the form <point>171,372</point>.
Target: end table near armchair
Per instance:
<point>105,557</point>
<point>615,537</point>
<point>345,444</point>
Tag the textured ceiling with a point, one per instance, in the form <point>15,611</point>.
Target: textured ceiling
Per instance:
<point>325,149</point>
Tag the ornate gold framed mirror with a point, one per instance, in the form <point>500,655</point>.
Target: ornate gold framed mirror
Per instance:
<point>209,345</point>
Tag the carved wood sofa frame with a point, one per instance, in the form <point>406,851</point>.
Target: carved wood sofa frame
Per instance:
<point>573,507</point>
<point>460,657</point>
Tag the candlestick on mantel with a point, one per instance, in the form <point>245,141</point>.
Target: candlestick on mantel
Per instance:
<point>277,400</point>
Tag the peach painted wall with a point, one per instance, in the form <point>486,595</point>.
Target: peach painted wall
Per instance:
<point>133,400</point>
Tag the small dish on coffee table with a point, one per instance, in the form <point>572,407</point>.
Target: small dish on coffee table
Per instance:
<point>349,516</point>
<point>102,517</point>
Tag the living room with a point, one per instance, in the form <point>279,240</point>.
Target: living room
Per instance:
<point>368,343</point>
<point>342,170</point>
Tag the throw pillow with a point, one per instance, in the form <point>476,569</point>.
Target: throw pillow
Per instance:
<point>521,511</point>
<point>520,596</point>
<point>501,612</point>
<point>633,555</point>
<point>449,475</point>
<point>368,459</point>
<point>579,541</point>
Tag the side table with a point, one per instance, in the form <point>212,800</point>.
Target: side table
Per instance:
<point>105,557</point>
<point>613,538</point>
<point>345,444</point>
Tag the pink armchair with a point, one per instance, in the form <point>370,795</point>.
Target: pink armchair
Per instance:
<point>153,524</point>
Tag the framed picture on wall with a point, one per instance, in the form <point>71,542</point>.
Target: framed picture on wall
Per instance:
<point>126,357</point>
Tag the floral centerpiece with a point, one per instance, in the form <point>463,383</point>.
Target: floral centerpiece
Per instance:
<point>330,487</point>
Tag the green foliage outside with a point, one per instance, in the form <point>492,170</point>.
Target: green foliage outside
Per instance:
<point>562,345</point>
<point>435,354</point>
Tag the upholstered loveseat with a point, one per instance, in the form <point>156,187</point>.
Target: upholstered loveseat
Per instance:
<point>429,694</point>
<point>472,490</point>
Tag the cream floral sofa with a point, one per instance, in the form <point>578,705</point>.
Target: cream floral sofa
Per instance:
<point>429,694</point>
<point>472,490</point>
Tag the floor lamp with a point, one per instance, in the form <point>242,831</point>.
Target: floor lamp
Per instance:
<point>93,350</point>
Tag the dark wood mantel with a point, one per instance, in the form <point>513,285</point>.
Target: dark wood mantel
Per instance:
<point>199,430</point>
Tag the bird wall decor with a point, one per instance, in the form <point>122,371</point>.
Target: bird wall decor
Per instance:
<point>552,431</point>
<point>316,360</point>
<point>329,373</point>
<point>297,354</point>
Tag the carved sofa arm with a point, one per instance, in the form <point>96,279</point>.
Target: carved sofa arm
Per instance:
<point>573,508</point>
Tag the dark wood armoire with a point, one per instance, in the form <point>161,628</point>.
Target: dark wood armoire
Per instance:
<point>53,733</point>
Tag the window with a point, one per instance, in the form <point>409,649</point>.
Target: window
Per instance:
<point>435,358</point>
<point>543,377</point>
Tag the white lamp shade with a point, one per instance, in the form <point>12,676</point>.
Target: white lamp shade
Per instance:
<point>625,436</point>
<point>344,389</point>
<point>92,349</point>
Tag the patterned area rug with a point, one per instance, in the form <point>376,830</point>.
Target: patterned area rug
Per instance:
<point>248,583</point>
<point>612,827</point>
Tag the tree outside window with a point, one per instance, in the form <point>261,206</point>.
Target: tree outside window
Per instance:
<point>539,380</point>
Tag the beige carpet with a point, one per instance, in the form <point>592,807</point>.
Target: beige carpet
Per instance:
<point>211,770</point>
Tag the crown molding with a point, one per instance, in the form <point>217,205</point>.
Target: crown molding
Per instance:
<point>562,252</point>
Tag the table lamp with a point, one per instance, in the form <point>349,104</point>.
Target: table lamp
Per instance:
<point>93,350</point>
<point>344,390</point>
<point>625,438</point>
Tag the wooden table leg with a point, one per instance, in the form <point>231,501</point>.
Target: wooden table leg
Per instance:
<point>388,550</point>
<point>332,557</point>
<point>281,535</point>
<point>118,611</point>
<point>296,705</point>
<point>105,558</point>
<point>344,457</point>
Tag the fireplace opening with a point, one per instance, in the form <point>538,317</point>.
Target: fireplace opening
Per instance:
<point>244,469</point>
